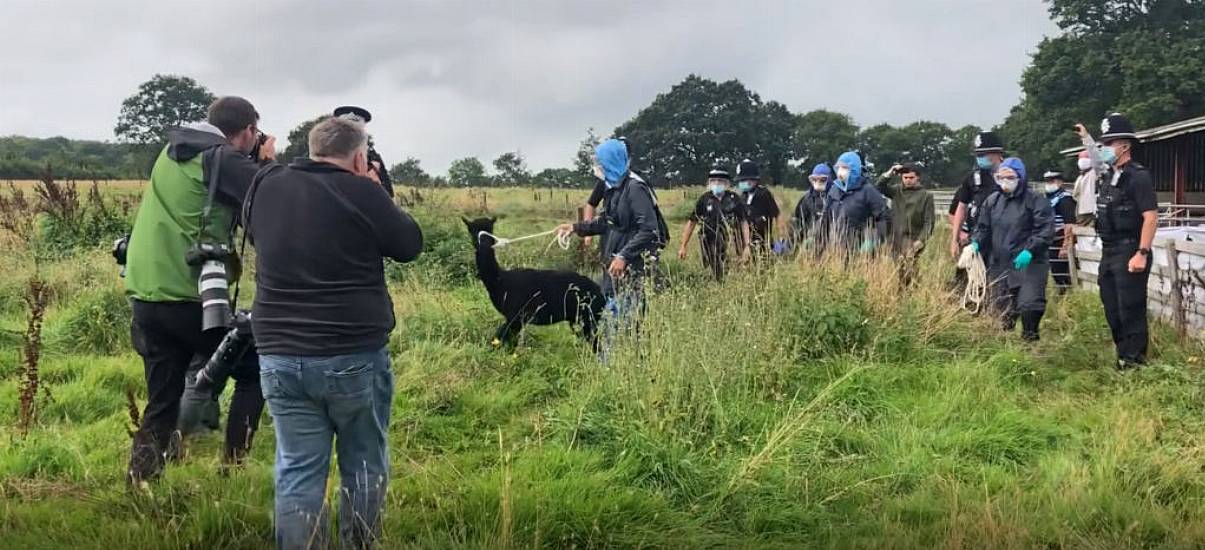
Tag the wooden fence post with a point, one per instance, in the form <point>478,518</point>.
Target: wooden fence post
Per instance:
<point>1179,317</point>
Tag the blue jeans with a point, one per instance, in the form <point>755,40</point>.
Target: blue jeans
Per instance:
<point>315,399</point>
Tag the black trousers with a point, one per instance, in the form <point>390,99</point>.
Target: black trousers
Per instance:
<point>1124,297</point>
<point>168,336</point>
<point>714,255</point>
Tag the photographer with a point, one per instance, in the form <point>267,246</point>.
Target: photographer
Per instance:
<point>322,317</point>
<point>197,183</point>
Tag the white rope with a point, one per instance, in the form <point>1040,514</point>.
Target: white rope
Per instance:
<point>976,291</point>
<point>563,240</point>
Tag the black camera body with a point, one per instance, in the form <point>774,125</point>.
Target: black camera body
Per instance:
<point>234,345</point>
<point>260,139</point>
<point>120,252</point>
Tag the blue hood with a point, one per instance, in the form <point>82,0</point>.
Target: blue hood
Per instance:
<point>854,162</point>
<point>1018,167</point>
<point>612,155</point>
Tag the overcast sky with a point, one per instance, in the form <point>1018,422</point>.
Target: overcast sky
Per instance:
<point>448,79</point>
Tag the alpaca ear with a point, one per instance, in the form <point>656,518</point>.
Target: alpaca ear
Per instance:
<point>494,219</point>
<point>466,220</point>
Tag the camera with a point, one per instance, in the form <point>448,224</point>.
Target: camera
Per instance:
<point>260,139</point>
<point>120,252</point>
<point>233,347</point>
<point>212,284</point>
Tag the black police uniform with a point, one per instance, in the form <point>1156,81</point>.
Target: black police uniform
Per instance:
<point>762,210</point>
<point>1064,213</point>
<point>1125,194</point>
<point>975,188</point>
<point>720,218</point>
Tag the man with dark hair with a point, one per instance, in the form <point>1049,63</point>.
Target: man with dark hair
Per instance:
<point>912,217</point>
<point>202,164</point>
<point>322,318</point>
<point>1126,220</point>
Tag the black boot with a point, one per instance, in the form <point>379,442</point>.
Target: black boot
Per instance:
<point>1029,325</point>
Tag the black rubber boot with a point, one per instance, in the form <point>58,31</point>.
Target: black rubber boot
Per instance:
<point>1029,325</point>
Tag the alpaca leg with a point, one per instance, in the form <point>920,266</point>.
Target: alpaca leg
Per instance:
<point>508,332</point>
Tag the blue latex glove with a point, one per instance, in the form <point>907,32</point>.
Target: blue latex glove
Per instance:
<point>1022,260</point>
<point>868,246</point>
<point>780,247</point>
<point>975,246</point>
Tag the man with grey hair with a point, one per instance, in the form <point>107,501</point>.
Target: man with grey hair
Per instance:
<point>322,317</point>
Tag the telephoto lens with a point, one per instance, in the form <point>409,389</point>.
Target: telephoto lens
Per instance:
<point>234,345</point>
<point>215,295</point>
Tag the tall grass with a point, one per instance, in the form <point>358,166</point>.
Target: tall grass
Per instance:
<point>809,403</point>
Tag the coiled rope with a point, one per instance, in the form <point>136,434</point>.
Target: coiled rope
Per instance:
<point>976,290</point>
<point>563,239</point>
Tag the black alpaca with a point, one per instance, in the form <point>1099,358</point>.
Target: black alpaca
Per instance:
<point>534,296</point>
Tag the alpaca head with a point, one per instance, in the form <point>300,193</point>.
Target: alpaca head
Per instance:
<point>476,227</point>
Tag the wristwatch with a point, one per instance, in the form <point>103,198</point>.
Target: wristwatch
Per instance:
<point>1145,252</point>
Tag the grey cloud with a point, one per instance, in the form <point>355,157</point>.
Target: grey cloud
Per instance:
<point>449,79</point>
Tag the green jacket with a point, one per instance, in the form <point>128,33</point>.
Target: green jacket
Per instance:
<point>170,213</point>
<point>912,212</point>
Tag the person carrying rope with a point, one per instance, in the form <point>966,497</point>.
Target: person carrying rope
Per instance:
<point>1014,230</point>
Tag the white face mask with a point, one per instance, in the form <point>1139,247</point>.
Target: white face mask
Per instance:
<point>843,174</point>
<point>1053,187</point>
<point>819,185</point>
<point>597,170</point>
<point>1006,184</point>
<point>1084,164</point>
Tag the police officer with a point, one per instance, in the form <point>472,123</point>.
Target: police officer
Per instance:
<point>974,189</point>
<point>375,162</point>
<point>805,221</point>
<point>762,209</point>
<point>1127,211</point>
<point>721,213</point>
<point>1064,207</point>
<point>1014,229</point>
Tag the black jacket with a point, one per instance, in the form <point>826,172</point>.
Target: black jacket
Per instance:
<point>630,222</point>
<point>184,144</point>
<point>975,188</point>
<point>320,235</point>
<point>1008,224</point>
<point>807,214</point>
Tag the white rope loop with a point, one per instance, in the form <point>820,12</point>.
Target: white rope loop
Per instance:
<point>562,239</point>
<point>976,290</point>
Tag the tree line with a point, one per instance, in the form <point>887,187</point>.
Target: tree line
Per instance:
<point>1145,58</point>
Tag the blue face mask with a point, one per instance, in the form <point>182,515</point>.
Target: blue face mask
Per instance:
<point>1108,155</point>
<point>745,186</point>
<point>718,189</point>
<point>984,163</point>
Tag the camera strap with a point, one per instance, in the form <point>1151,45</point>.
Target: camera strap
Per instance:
<point>211,192</point>
<point>246,216</point>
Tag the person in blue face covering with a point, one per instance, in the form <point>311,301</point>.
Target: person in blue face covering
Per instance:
<point>853,207</point>
<point>1014,231</point>
<point>720,213</point>
<point>634,230</point>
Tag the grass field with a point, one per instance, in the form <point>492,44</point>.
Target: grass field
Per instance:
<point>813,404</point>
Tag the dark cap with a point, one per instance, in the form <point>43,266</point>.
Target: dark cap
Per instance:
<point>988,142</point>
<point>1116,126</point>
<point>1053,175</point>
<point>352,112</point>
<point>747,170</point>
<point>719,172</point>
